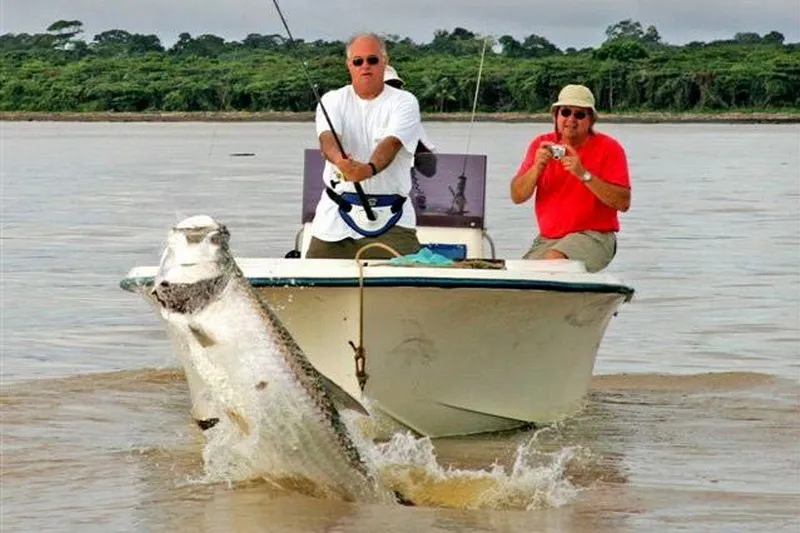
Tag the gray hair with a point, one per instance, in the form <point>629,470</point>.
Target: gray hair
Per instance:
<point>370,35</point>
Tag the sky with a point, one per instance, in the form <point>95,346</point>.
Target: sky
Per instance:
<point>566,23</point>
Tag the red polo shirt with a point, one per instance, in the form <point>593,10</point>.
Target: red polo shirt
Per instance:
<point>563,203</point>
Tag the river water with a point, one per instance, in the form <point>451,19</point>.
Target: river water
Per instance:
<point>692,422</point>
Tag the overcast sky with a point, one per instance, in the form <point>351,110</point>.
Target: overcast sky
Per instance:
<point>566,23</point>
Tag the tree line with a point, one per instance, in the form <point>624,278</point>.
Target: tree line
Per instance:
<point>632,70</point>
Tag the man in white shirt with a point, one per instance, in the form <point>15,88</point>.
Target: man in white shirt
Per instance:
<point>379,128</point>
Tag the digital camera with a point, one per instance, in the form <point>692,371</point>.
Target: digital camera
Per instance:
<point>558,151</point>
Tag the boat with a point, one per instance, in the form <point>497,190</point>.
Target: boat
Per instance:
<point>477,345</point>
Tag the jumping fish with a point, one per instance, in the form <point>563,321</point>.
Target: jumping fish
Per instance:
<point>246,372</point>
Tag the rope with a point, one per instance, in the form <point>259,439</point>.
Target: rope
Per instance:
<point>360,355</point>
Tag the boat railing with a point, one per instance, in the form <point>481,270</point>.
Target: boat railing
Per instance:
<point>450,205</point>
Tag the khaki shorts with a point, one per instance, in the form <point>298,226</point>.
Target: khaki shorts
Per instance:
<point>404,240</point>
<point>595,248</point>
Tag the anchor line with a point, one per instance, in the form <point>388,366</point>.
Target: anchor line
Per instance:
<point>359,190</point>
<point>360,354</point>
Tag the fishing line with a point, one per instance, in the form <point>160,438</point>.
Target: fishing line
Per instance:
<point>459,202</point>
<point>474,104</point>
<point>361,196</point>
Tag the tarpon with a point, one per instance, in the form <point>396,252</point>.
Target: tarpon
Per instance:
<point>245,369</point>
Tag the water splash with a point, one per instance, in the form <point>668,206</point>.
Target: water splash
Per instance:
<point>536,480</point>
<point>408,467</point>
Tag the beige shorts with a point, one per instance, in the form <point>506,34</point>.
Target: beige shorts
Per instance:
<point>404,240</point>
<point>595,248</point>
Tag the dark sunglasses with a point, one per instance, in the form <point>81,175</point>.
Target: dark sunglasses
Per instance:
<point>371,60</point>
<point>567,112</point>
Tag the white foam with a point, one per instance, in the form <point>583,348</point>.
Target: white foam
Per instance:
<point>536,479</point>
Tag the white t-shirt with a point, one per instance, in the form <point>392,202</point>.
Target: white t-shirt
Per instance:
<point>361,125</point>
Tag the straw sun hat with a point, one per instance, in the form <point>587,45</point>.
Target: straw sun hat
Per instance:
<point>575,96</point>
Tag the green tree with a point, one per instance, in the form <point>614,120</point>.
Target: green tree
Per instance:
<point>65,31</point>
<point>117,70</point>
<point>538,46</point>
<point>773,37</point>
<point>625,29</point>
<point>621,50</point>
<point>511,47</point>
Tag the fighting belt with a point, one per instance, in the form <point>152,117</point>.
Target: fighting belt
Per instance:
<point>387,208</point>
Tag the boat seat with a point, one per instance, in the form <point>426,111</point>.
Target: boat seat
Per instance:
<point>450,205</point>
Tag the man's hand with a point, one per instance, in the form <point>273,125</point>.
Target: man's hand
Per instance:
<point>572,162</point>
<point>354,170</point>
<point>543,155</point>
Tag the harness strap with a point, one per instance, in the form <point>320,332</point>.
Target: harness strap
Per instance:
<point>389,205</point>
<point>347,200</point>
<point>344,206</point>
<point>395,201</point>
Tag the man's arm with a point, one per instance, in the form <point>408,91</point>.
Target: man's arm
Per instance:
<point>612,195</point>
<point>327,141</point>
<point>524,183</point>
<point>330,149</point>
<point>381,157</point>
<point>385,152</point>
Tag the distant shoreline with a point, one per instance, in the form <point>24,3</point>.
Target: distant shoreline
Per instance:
<point>307,116</point>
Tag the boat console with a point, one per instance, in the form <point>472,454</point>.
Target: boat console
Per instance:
<point>450,205</point>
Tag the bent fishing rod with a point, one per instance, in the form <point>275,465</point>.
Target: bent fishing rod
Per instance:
<point>359,190</point>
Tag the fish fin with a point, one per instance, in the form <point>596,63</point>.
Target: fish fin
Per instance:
<point>340,397</point>
<point>202,337</point>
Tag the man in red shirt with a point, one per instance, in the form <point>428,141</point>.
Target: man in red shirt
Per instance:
<point>581,181</point>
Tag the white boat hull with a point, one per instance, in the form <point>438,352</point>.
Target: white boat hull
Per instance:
<point>448,351</point>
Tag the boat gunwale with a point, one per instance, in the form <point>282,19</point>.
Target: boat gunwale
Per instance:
<point>131,284</point>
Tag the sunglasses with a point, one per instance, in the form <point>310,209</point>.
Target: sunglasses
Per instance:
<point>567,112</point>
<point>371,60</point>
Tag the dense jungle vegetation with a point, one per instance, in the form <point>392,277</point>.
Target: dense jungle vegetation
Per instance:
<point>633,70</point>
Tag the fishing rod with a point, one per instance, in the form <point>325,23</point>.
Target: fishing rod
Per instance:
<point>359,190</point>
<point>475,102</point>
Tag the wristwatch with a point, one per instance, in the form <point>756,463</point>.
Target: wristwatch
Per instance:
<point>586,177</point>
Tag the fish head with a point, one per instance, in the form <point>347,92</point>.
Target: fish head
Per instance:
<point>195,265</point>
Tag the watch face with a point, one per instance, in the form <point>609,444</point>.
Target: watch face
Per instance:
<point>587,176</point>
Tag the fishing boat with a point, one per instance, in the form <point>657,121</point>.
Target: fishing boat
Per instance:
<point>479,344</point>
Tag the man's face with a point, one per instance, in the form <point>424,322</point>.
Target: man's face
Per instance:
<point>366,64</point>
<point>574,122</point>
